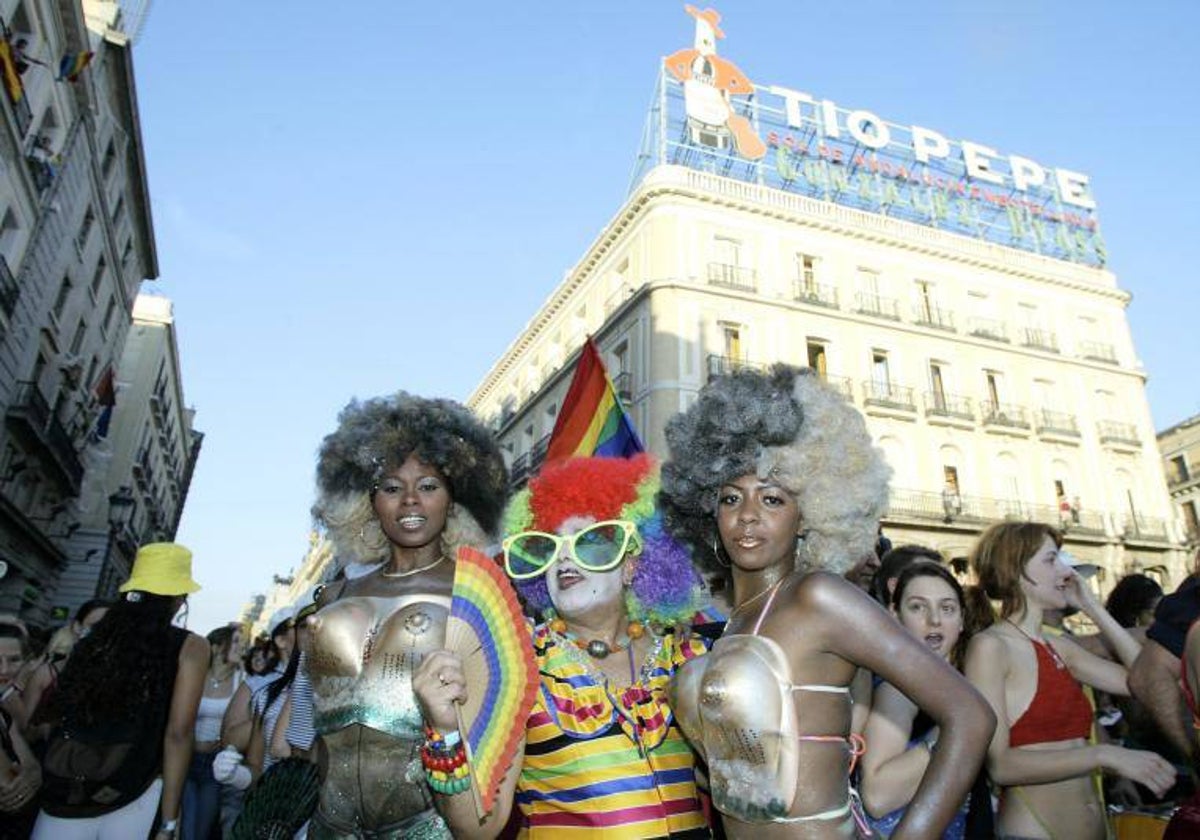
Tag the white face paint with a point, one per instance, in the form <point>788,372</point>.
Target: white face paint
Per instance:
<point>577,593</point>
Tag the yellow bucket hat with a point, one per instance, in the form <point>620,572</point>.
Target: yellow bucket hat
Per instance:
<point>162,569</point>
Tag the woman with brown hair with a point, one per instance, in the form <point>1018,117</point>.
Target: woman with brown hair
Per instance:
<point>1039,755</point>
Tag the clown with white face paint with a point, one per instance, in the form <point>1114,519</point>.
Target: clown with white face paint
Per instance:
<point>586,548</point>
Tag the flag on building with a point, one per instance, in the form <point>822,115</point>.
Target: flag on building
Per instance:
<point>8,69</point>
<point>106,396</point>
<point>72,65</point>
<point>592,420</point>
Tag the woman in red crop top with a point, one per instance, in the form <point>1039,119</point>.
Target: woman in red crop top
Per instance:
<point>1040,755</point>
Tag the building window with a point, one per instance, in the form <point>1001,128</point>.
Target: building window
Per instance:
<point>64,294</point>
<point>118,211</point>
<point>731,342</point>
<point>77,339</point>
<point>110,159</point>
<point>1179,469</point>
<point>85,230</point>
<point>881,377</point>
<point>727,251</point>
<point>993,382</point>
<point>817,359</point>
<point>806,272</point>
<point>937,385</point>
<point>109,311</point>
<point>98,276</point>
<point>1191,520</point>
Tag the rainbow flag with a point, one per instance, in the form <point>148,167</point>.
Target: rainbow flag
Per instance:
<point>592,420</point>
<point>72,65</point>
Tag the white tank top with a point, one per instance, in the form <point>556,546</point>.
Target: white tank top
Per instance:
<point>212,711</point>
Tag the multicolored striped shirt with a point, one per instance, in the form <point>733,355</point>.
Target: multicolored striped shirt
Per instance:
<point>607,762</point>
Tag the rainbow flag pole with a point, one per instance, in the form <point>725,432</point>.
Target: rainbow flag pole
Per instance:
<point>592,420</point>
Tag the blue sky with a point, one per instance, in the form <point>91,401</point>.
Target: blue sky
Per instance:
<point>354,199</point>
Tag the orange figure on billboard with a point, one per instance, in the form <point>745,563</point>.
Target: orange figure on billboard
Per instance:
<point>708,83</point>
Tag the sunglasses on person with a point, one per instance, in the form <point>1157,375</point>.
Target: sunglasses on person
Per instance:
<point>597,548</point>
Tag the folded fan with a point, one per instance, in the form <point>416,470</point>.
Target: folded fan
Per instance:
<point>490,634</point>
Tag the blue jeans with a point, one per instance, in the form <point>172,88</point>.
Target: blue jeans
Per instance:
<point>201,799</point>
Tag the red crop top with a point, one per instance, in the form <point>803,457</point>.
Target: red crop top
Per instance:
<point>1059,711</point>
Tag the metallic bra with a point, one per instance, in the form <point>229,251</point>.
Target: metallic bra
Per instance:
<point>362,655</point>
<point>735,706</point>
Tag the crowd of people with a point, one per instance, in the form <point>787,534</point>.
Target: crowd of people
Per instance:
<point>841,687</point>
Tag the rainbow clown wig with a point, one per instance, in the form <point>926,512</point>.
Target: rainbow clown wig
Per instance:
<point>665,588</point>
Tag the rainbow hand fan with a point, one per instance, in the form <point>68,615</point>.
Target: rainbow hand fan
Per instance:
<point>489,633</point>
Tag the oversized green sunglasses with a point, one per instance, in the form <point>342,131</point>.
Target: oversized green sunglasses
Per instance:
<point>597,548</point>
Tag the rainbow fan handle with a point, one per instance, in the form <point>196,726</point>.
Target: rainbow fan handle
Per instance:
<point>475,794</point>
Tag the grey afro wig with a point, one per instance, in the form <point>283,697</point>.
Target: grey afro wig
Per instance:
<point>787,426</point>
<point>377,436</point>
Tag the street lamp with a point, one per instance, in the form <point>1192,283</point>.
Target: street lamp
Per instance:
<point>120,510</point>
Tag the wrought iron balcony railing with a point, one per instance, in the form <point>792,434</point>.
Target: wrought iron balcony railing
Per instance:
<point>927,315</point>
<point>805,291</point>
<point>722,365</point>
<point>30,416</point>
<point>1097,351</point>
<point>941,404</point>
<point>1115,431</point>
<point>987,328</point>
<point>889,395</point>
<point>1055,422</point>
<point>876,306</point>
<point>1039,339</point>
<point>732,276</point>
<point>1004,414</point>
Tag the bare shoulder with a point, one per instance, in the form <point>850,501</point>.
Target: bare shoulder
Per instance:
<point>823,590</point>
<point>195,646</point>
<point>988,646</point>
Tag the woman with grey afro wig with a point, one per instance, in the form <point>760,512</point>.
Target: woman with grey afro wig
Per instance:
<point>793,428</point>
<point>773,476</point>
<point>404,482</point>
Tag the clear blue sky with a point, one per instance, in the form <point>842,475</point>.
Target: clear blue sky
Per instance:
<point>358,198</point>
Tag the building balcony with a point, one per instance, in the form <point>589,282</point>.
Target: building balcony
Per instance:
<point>9,290</point>
<point>1004,415</point>
<point>519,471</point>
<point>623,385</point>
<point>941,404</point>
<point>538,453</point>
<point>1116,432</point>
<point>805,291</point>
<point>974,512</point>
<point>927,315</point>
<point>1144,529</point>
<point>722,365</point>
<point>732,277</point>
<point>42,172</point>
<point>1097,351</point>
<point>1039,339</point>
<point>876,306</point>
<point>30,418</point>
<point>843,384</point>
<point>987,328</point>
<point>1055,423</point>
<point>889,395</point>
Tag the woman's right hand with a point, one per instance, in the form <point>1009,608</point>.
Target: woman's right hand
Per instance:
<point>1145,768</point>
<point>439,684</point>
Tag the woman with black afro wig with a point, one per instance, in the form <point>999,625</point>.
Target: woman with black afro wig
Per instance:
<point>772,476</point>
<point>403,482</point>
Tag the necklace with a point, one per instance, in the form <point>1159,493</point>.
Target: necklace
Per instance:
<point>747,603</point>
<point>412,572</point>
<point>217,682</point>
<point>598,648</point>
<point>1058,660</point>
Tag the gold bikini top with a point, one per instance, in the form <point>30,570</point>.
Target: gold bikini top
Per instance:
<point>735,706</point>
<point>363,651</point>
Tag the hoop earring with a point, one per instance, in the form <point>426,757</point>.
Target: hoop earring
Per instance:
<point>799,549</point>
<point>718,551</point>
